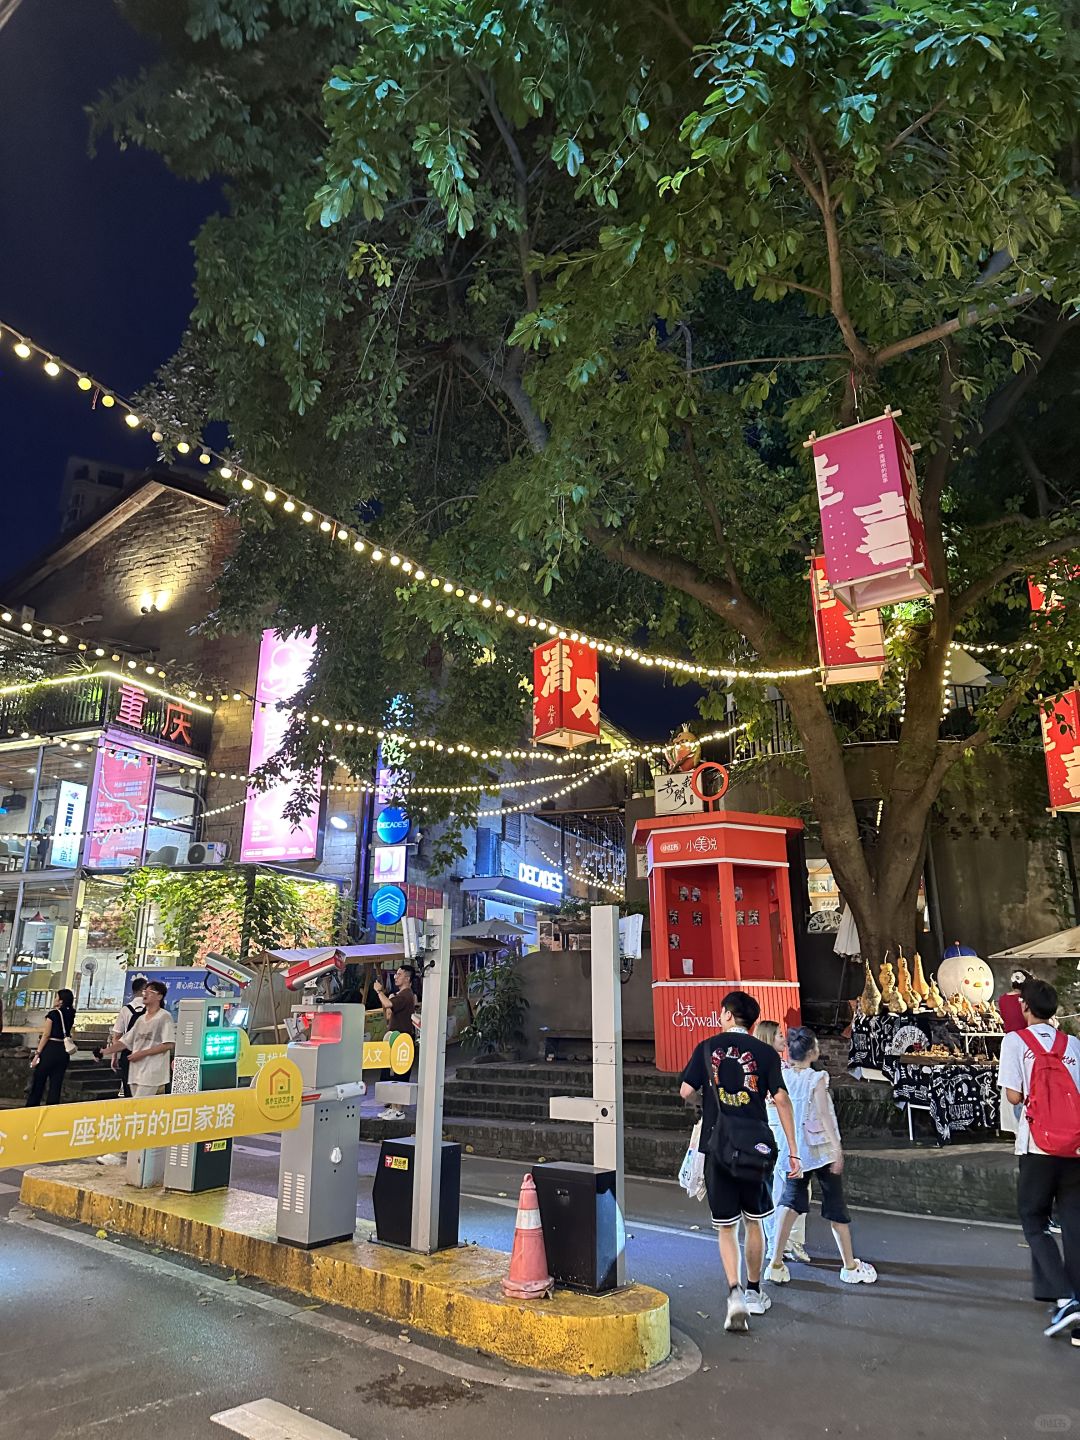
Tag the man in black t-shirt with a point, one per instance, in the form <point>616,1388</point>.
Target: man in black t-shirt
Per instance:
<point>736,1075</point>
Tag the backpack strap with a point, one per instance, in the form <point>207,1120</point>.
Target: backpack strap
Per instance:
<point>1060,1045</point>
<point>1031,1041</point>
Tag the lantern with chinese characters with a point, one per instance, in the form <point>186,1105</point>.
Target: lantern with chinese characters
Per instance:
<point>566,694</point>
<point>871,524</point>
<point>1061,749</point>
<point>851,647</point>
<point>1043,595</point>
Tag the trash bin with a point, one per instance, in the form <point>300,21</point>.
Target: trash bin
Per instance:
<point>583,1230</point>
<point>392,1193</point>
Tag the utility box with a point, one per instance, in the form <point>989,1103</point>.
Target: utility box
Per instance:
<point>319,1159</point>
<point>392,1193</point>
<point>583,1230</point>
<point>206,1055</point>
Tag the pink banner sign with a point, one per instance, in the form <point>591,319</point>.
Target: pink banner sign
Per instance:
<point>1061,747</point>
<point>284,662</point>
<point>871,524</point>
<point>851,647</point>
<point>122,791</point>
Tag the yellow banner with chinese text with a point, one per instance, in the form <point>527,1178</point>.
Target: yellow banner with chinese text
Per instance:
<point>100,1127</point>
<point>396,1052</point>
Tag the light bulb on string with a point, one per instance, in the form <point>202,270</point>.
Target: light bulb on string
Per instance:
<point>23,350</point>
<point>51,368</point>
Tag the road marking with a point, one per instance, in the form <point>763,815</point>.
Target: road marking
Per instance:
<point>685,1358</point>
<point>6,1189</point>
<point>509,1204</point>
<point>268,1420</point>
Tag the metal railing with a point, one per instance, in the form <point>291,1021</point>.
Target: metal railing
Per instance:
<point>91,704</point>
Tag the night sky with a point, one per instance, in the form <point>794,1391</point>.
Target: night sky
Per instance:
<point>95,255</point>
<point>96,265</point>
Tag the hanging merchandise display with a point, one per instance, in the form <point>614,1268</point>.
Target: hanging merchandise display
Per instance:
<point>566,694</point>
<point>851,647</point>
<point>1061,749</point>
<point>871,524</point>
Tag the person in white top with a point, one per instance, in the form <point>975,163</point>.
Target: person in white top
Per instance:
<point>1047,1181</point>
<point>773,1034</point>
<point>818,1137</point>
<point>150,1041</point>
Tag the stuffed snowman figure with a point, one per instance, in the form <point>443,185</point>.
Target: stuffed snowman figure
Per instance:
<point>963,973</point>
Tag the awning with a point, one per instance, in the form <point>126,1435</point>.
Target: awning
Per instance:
<point>1064,945</point>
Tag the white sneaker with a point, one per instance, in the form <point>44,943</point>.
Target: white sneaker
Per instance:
<point>860,1274</point>
<point>778,1273</point>
<point>797,1251</point>
<point>738,1317</point>
<point>757,1302</point>
<point>391,1113</point>
<point>110,1160</point>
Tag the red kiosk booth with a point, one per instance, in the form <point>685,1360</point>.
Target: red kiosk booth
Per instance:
<point>720,917</point>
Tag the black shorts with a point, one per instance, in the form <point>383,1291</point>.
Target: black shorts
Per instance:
<point>796,1195</point>
<point>731,1198</point>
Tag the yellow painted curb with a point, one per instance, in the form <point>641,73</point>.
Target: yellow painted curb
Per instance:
<point>454,1294</point>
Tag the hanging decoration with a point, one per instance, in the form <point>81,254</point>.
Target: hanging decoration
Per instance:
<point>1061,749</point>
<point>1042,594</point>
<point>871,523</point>
<point>851,647</point>
<point>566,694</point>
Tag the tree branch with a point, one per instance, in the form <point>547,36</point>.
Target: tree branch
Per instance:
<point>668,19</point>
<point>972,316</point>
<point>1002,404</point>
<point>770,360</point>
<point>950,752</point>
<point>509,382</point>
<point>915,125</point>
<point>524,241</point>
<point>936,475</point>
<point>978,590</point>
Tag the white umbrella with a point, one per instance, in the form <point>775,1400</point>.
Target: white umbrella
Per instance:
<point>847,937</point>
<point>489,930</point>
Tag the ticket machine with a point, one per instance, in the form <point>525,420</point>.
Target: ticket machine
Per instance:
<point>319,1159</point>
<point>207,1050</point>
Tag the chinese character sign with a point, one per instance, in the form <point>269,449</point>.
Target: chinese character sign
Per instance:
<point>851,647</point>
<point>871,522</point>
<point>675,795</point>
<point>268,834</point>
<point>1061,748</point>
<point>566,694</point>
<point>1043,593</point>
<point>120,806</point>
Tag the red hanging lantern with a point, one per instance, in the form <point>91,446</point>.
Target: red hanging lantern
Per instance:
<point>1042,594</point>
<point>871,524</point>
<point>851,647</point>
<point>1061,750</point>
<point>566,694</point>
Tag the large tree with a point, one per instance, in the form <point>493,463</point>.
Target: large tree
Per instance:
<point>549,294</point>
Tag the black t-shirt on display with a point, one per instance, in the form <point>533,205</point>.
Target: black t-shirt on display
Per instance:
<point>746,1072</point>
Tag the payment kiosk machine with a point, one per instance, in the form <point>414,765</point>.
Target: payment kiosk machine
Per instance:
<point>319,1159</point>
<point>207,1049</point>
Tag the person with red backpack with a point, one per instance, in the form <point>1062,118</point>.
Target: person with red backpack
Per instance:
<point>1040,1074</point>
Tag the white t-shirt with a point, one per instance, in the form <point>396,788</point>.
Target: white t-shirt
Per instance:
<point>127,1013</point>
<point>147,1032</point>
<point>1014,1073</point>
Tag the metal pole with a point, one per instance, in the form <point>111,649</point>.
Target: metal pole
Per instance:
<point>607,1057</point>
<point>427,1177</point>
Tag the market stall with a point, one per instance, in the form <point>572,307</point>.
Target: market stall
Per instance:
<point>938,1054</point>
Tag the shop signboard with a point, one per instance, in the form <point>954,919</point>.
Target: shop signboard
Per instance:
<point>268,834</point>
<point>1061,749</point>
<point>388,904</point>
<point>389,863</point>
<point>566,694</point>
<point>851,647</point>
<point>184,982</point>
<point>535,883</point>
<point>871,522</point>
<point>121,804</point>
<point>67,835</point>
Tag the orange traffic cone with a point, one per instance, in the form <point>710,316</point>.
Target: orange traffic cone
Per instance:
<point>529,1277</point>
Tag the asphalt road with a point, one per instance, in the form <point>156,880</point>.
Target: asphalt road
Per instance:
<point>98,1336</point>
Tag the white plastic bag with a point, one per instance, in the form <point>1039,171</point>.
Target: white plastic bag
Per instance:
<point>692,1170</point>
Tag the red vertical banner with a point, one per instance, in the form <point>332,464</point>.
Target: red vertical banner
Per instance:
<point>1042,593</point>
<point>121,805</point>
<point>1061,749</point>
<point>566,694</point>
<point>871,523</point>
<point>851,647</point>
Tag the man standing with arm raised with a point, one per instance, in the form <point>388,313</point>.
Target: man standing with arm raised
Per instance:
<point>735,1075</point>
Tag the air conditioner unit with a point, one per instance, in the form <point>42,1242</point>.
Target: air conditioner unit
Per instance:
<point>212,852</point>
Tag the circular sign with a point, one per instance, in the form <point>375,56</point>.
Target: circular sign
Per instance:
<point>388,905</point>
<point>392,825</point>
<point>721,790</point>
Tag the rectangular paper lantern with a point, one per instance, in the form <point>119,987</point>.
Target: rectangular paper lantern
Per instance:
<point>851,647</point>
<point>566,694</point>
<point>1061,748</point>
<point>871,524</point>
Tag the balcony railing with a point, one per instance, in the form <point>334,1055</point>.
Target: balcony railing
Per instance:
<point>91,704</point>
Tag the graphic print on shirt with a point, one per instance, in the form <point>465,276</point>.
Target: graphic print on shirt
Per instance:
<point>735,1075</point>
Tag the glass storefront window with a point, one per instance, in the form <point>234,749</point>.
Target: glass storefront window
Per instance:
<point>173,815</point>
<point>18,775</point>
<point>36,929</point>
<point>60,809</point>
